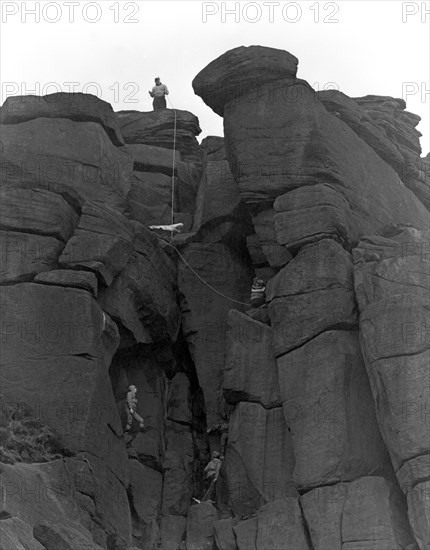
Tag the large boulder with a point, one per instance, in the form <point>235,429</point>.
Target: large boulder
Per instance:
<point>65,344</point>
<point>329,409</point>
<point>311,213</point>
<point>264,224</point>
<point>142,297</point>
<point>279,138</point>
<point>312,293</point>
<point>157,128</point>
<point>78,107</point>
<point>367,513</point>
<point>200,535</point>
<point>37,211</point>
<point>280,524</point>
<point>145,491</point>
<point>259,460</point>
<point>102,242</point>
<point>250,372</point>
<point>392,282</point>
<point>24,255</point>
<point>77,155</point>
<point>240,72</point>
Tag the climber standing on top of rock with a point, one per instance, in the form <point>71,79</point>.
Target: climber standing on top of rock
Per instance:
<point>130,408</point>
<point>258,293</point>
<point>159,92</point>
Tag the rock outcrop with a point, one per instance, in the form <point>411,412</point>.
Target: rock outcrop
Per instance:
<point>316,401</point>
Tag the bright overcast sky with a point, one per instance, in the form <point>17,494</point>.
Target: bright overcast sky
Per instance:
<point>360,47</point>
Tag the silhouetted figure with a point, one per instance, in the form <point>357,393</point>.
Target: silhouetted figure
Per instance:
<point>159,92</point>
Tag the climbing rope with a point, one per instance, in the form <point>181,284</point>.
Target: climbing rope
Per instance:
<point>203,281</point>
<point>172,215</point>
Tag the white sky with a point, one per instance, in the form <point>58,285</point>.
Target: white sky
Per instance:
<point>375,47</point>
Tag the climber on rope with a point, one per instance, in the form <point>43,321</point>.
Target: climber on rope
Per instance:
<point>212,471</point>
<point>258,293</point>
<point>130,409</point>
<point>159,92</point>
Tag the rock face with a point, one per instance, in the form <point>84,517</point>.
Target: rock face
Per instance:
<point>77,107</point>
<point>316,400</point>
<point>158,129</point>
<point>392,281</point>
<point>75,154</point>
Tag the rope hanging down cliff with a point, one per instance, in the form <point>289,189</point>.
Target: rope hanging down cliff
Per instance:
<point>172,223</point>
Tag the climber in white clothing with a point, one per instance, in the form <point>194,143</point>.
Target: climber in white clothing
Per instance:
<point>176,227</point>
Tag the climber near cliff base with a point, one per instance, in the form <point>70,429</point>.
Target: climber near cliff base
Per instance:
<point>258,293</point>
<point>159,92</point>
<point>130,409</point>
<point>212,471</point>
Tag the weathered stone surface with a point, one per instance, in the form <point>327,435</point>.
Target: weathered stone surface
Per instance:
<point>102,242</point>
<point>280,525</point>
<point>213,148</point>
<point>74,154</point>
<point>246,534</point>
<point>148,158</point>
<point>37,212</point>
<point>157,128</point>
<point>57,537</point>
<point>77,106</point>
<point>200,522</point>
<point>259,458</point>
<point>367,513</point>
<point>65,345</point>
<point>398,127</point>
<point>419,513</point>
<point>384,267</point>
<point>255,251</point>
<point>329,409</point>
<point>23,255</point>
<point>240,73</point>
<point>311,213</point>
<point>142,297</point>
<point>224,534</point>
<point>102,495</point>
<point>218,197</point>
<point>141,369</point>
<point>172,531</point>
<point>250,368</point>
<point>413,471</point>
<point>392,282</point>
<point>313,293</point>
<point>178,399</point>
<point>177,490</point>
<point>15,534</point>
<point>150,198</point>
<point>204,313</point>
<point>281,138</point>
<point>145,491</point>
<point>397,354</point>
<point>277,255</point>
<point>65,277</point>
<point>51,492</point>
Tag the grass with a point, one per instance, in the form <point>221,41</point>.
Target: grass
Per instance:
<point>23,439</point>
